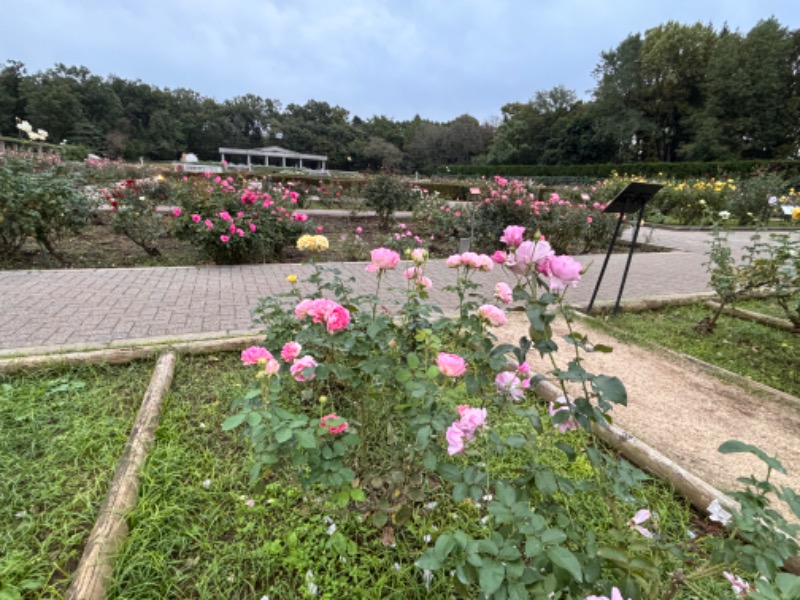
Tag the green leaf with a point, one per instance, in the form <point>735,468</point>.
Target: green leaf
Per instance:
<point>234,421</point>
<point>546,482</point>
<point>432,372</point>
<point>306,439</point>
<point>788,584</point>
<point>611,389</point>
<point>735,446</point>
<point>429,561</point>
<point>553,536</point>
<point>490,576</point>
<point>412,360</point>
<point>423,437</point>
<point>444,545</point>
<point>254,419</point>
<point>429,461</point>
<point>602,348</point>
<point>460,492</point>
<point>403,375</point>
<point>516,441</point>
<point>565,559</point>
<point>283,435</point>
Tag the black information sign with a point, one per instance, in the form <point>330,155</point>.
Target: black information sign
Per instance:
<point>632,199</point>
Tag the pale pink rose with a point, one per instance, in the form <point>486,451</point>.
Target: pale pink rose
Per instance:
<point>419,255</point>
<point>451,365</point>
<point>563,404</point>
<point>254,354</point>
<point>196,218</point>
<point>509,385</point>
<point>471,260</point>
<point>503,292</point>
<point>495,316</point>
<point>513,236</point>
<point>424,282</point>
<point>410,273</point>
<point>359,230</point>
<point>290,351</point>
<point>499,257</point>
<point>455,440</point>
<point>337,319</point>
<point>453,262</point>
<point>740,586</point>
<point>471,420</point>
<point>333,429</point>
<point>485,262</point>
<point>240,232</point>
<point>306,362</point>
<point>301,310</point>
<point>529,255</point>
<point>272,366</point>
<point>383,259</point>
<point>176,212</point>
<point>563,271</point>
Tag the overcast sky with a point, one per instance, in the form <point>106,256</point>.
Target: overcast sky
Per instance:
<point>398,58</point>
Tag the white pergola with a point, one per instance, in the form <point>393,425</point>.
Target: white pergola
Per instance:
<point>275,156</point>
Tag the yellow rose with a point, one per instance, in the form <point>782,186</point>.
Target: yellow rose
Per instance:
<point>796,214</point>
<point>291,278</point>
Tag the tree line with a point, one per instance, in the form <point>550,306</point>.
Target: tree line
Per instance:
<point>677,92</point>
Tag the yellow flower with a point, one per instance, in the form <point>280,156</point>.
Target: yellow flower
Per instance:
<point>291,278</point>
<point>796,214</point>
<point>312,243</point>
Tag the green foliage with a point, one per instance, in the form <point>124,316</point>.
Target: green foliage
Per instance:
<point>751,202</point>
<point>39,202</point>
<point>385,194</point>
<point>135,212</point>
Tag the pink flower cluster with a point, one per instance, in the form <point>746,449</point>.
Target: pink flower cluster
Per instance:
<point>383,259</point>
<point>525,258</point>
<point>463,429</point>
<point>333,429</point>
<point>321,310</point>
<point>451,365</point>
<point>470,260</point>
<point>257,355</point>
<point>414,274</point>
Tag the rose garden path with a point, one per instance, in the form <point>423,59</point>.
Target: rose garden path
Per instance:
<point>96,306</point>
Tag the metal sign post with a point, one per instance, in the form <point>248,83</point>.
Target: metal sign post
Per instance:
<point>633,198</point>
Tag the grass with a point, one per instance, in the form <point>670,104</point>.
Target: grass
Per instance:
<point>62,432</point>
<point>199,531</point>
<point>766,306</point>
<point>762,353</point>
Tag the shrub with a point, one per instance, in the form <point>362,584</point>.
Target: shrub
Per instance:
<point>385,194</point>
<point>38,201</point>
<point>235,226</point>
<point>136,216</point>
<point>751,203</point>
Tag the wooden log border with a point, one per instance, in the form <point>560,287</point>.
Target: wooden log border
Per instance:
<point>111,528</point>
<point>767,320</point>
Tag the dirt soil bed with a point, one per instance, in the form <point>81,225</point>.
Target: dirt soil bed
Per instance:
<point>686,413</point>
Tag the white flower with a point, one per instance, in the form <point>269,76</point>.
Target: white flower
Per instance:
<point>717,513</point>
<point>331,529</point>
<point>724,215</point>
<point>312,587</point>
<point>426,538</point>
<point>24,126</point>
<point>396,566</point>
<point>207,483</point>
<point>430,505</point>
<point>740,586</point>
<point>427,577</point>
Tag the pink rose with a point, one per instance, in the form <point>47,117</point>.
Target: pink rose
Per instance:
<point>208,223</point>
<point>424,282</point>
<point>252,227</point>
<point>333,429</point>
<point>290,351</point>
<point>495,316</point>
<point>455,440</point>
<point>419,255</point>
<point>301,310</point>
<point>272,366</point>
<point>254,354</point>
<point>471,420</point>
<point>383,259</point>
<point>224,239</point>
<point>451,365</point>
<point>509,385</point>
<point>499,257</point>
<point>563,271</point>
<point>359,230</point>
<point>337,319</point>
<point>301,364</point>
<point>196,218</point>
<point>503,292</point>
<point>454,261</point>
<point>528,255</point>
<point>176,212</point>
<point>225,216</point>
<point>513,236</point>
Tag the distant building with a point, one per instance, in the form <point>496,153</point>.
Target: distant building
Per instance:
<point>274,156</point>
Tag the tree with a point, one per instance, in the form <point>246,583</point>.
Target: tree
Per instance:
<point>12,102</point>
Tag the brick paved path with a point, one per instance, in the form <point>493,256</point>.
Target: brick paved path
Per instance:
<point>64,307</point>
